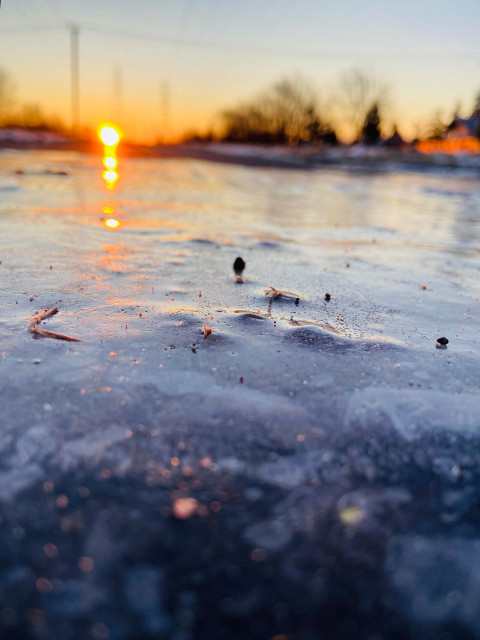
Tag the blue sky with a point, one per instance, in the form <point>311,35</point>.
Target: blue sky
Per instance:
<point>209,54</point>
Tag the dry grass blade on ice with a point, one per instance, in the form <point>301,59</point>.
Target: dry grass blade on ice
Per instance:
<point>43,315</point>
<point>206,331</point>
<point>277,293</point>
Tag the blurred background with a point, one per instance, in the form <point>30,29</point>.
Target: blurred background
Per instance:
<point>165,71</point>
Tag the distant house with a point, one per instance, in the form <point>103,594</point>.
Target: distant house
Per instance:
<point>461,128</point>
<point>461,136</point>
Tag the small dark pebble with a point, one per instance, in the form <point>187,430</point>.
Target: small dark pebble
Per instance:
<point>239,265</point>
<point>348,265</point>
<point>297,300</point>
<point>327,296</point>
<point>442,343</point>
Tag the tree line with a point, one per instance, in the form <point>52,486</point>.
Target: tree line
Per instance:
<point>287,113</point>
<point>27,116</point>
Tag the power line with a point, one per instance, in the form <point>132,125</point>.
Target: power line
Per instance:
<point>178,39</point>
<point>184,20</point>
<point>219,12</point>
<point>228,46</point>
<point>55,7</point>
<point>33,8</point>
<point>208,20</point>
<point>283,52</point>
<point>39,28</point>
<point>21,10</point>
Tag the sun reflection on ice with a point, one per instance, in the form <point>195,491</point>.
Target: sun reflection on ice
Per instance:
<point>110,178</point>
<point>110,162</point>
<point>110,136</point>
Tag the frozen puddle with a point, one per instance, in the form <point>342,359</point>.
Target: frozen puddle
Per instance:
<point>309,470</point>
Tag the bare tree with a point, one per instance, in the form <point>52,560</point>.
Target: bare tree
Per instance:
<point>357,94</point>
<point>7,90</point>
<point>285,113</point>
<point>437,126</point>
<point>476,116</point>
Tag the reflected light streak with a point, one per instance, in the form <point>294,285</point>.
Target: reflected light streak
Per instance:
<point>110,162</point>
<point>110,176</point>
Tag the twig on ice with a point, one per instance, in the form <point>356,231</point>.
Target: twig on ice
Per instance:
<point>276,293</point>
<point>43,315</point>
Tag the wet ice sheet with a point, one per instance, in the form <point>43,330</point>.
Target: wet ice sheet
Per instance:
<point>338,401</point>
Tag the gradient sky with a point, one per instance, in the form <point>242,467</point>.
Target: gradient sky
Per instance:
<point>215,53</point>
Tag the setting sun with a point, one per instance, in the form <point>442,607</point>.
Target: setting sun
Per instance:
<point>109,136</point>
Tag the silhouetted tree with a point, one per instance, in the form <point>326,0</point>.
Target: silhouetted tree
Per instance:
<point>195,136</point>
<point>437,127</point>
<point>395,140</point>
<point>330,137</point>
<point>371,126</point>
<point>476,116</point>
<point>285,114</point>
<point>31,116</point>
<point>356,94</point>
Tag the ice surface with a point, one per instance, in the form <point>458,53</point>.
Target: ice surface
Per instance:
<point>453,594</point>
<point>330,450</point>
<point>413,411</point>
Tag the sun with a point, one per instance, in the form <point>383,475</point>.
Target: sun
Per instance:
<point>109,135</point>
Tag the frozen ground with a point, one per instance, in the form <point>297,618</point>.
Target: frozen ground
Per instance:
<point>308,473</point>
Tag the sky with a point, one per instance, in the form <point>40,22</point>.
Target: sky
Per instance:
<point>160,68</point>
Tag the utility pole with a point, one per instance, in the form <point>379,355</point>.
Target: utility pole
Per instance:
<point>165,109</point>
<point>75,76</point>
<point>117,94</point>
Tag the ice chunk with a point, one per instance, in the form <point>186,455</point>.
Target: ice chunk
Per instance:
<point>412,412</point>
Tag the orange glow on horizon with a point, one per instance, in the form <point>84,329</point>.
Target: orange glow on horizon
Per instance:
<point>451,145</point>
<point>111,223</point>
